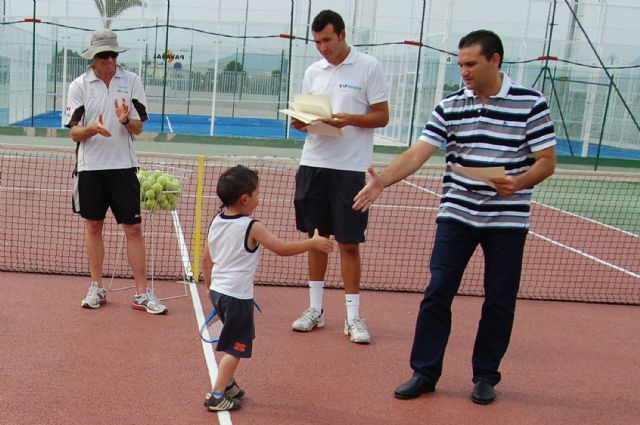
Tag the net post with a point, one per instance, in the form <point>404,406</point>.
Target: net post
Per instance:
<point>197,234</point>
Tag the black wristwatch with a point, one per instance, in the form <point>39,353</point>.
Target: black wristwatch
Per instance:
<point>126,122</point>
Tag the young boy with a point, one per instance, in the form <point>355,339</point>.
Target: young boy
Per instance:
<point>229,263</point>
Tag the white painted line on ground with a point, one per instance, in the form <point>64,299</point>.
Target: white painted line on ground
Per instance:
<point>554,242</point>
<point>584,254</point>
<point>223,417</point>
<point>590,220</point>
<point>169,123</point>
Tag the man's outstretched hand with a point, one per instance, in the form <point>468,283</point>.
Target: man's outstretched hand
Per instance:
<point>367,196</point>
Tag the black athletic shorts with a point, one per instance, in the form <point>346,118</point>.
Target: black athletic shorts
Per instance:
<point>238,330</point>
<point>119,190</point>
<point>324,200</point>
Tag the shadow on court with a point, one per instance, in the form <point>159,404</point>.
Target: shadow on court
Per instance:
<point>569,363</point>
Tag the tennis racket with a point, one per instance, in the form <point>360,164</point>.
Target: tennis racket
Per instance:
<point>211,328</point>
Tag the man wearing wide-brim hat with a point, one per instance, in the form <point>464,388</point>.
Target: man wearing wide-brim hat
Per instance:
<point>106,106</point>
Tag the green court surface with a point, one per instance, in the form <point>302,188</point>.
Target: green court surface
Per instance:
<point>609,200</point>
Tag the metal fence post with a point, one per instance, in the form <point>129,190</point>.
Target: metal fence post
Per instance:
<point>604,122</point>
<point>33,65</point>
<point>166,61</point>
<point>415,85</point>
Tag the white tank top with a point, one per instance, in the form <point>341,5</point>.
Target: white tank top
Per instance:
<point>234,263</point>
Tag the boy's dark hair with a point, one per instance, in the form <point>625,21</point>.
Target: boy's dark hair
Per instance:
<point>488,41</point>
<point>325,18</point>
<point>234,183</point>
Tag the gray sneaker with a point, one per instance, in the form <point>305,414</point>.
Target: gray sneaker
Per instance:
<point>234,391</point>
<point>95,297</point>
<point>149,302</point>
<point>311,318</point>
<point>223,403</point>
<point>358,331</point>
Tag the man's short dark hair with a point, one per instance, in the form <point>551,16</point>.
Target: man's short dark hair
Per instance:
<point>489,42</point>
<point>234,183</point>
<point>325,18</point>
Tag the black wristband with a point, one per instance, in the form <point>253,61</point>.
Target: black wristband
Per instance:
<point>126,122</point>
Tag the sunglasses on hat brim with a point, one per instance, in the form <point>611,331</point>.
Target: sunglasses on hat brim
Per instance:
<point>106,55</point>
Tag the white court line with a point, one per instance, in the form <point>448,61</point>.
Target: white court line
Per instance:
<point>223,417</point>
<point>31,189</point>
<point>421,188</point>
<point>169,124</point>
<point>589,256</point>
<point>402,207</point>
<point>590,220</point>
<point>554,242</point>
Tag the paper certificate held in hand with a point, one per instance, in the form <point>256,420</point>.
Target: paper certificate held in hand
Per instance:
<point>313,110</point>
<point>480,173</point>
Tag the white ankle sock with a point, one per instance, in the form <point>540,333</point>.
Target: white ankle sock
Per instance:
<point>353,306</point>
<point>316,290</point>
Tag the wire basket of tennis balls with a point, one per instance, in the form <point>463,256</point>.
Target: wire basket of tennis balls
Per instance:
<point>159,190</point>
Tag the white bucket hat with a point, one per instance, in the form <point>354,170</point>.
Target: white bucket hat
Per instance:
<point>103,40</point>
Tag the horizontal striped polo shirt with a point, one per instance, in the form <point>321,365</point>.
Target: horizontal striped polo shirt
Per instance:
<point>506,131</point>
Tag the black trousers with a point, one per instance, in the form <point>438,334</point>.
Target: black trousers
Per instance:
<point>453,247</point>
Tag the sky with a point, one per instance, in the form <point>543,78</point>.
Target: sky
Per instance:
<point>385,20</point>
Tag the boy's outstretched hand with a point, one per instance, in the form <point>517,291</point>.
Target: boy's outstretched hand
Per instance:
<point>321,243</point>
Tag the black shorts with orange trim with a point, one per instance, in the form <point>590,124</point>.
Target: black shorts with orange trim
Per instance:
<point>239,330</point>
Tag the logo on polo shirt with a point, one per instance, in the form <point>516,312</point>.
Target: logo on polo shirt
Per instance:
<point>350,87</point>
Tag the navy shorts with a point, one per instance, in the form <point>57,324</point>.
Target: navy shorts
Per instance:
<point>118,189</point>
<point>238,330</point>
<point>324,200</point>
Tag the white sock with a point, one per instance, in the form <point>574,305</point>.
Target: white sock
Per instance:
<point>316,290</point>
<point>353,306</point>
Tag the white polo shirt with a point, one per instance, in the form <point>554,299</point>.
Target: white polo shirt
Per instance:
<point>88,97</point>
<point>353,85</point>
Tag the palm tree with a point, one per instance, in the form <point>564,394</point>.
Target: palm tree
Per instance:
<point>109,9</point>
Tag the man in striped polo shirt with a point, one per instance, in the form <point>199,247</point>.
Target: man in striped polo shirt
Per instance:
<point>490,122</point>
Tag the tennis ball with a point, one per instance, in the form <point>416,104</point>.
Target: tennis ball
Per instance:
<point>158,190</point>
<point>172,185</point>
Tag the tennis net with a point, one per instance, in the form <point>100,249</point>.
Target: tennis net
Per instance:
<point>583,244</point>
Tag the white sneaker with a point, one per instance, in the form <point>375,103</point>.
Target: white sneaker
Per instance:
<point>358,331</point>
<point>311,318</point>
<point>95,297</point>
<point>149,302</point>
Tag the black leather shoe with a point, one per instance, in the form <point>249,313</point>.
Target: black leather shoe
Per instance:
<point>483,393</point>
<point>414,387</point>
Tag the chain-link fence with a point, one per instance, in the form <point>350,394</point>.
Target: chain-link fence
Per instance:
<point>232,69</point>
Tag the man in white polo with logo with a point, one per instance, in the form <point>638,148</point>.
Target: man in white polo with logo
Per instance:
<point>332,169</point>
<point>106,106</point>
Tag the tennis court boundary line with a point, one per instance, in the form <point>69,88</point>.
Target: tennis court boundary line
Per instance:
<point>560,244</point>
<point>224,418</point>
<point>590,220</point>
<point>584,254</point>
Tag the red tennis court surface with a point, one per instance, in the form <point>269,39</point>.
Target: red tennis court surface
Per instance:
<point>569,363</point>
